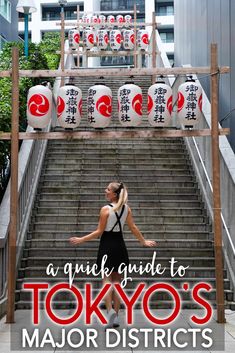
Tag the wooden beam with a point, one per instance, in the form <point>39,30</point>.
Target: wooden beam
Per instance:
<point>135,36</point>
<point>14,189</point>
<point>104,134</point>
<point>95,24</point>
<point>154,46</point>
<point>216,186</point>
<point>174,71</point>
<point>62,40</point>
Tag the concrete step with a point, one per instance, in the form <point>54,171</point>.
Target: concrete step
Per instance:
<point>86,219</point>
<point>96,282</point>
<point>158,197</point>
<point>103,162</point>
<point>202,272</point>
<point>100,203</point>
<point>133,252</point>
<point>175,235</point>
<point>130,243</point>
<point>109,155</point>
<point>164,261</point>
<point>89,227</point>
<point>132,191</point>
<point>93,211</point>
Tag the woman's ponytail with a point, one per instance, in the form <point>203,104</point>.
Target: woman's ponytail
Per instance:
<point>122,194</point>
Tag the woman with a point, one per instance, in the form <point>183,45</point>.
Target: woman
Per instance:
<point>110,227</point>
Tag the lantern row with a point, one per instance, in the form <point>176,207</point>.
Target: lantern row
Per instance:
<point>130,105</point>
<point>114,38</point>
<point>106,21</point>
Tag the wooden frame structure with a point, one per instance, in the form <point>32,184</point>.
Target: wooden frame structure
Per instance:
<point>100,53</point>
<point>14,136</point>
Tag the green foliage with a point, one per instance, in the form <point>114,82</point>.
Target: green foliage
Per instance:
<point>48,47</point>
<point>41,56</point>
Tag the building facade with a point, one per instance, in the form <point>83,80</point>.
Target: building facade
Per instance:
<point>8,21</point>
<point>197,24</point>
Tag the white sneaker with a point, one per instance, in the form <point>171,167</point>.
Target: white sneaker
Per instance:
<point>116,322</point>
<point>110,318</point>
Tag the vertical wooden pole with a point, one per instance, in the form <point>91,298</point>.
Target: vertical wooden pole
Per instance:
<point>135,34</point>
<point>78,50</point>
<point>154,45</point>
<point>216,185</point>
<point>14,188</point>
<point>62,39</point>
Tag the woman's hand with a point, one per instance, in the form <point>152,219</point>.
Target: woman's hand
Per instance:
<point>75,241</point>
<point>149,243</point>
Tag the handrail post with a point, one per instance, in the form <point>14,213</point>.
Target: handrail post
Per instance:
<point>216,185</point>
<point>14,188</point>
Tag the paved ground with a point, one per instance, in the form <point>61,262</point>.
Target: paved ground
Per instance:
<point>222,335</point>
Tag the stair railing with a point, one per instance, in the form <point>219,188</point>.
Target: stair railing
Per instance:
<point>200,152</point>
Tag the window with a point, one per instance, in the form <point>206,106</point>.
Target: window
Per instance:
<point>5,9</point>
<point>53,13</point>
<point>2,42</point>
<point>167,37</point>
<point>164,9</point>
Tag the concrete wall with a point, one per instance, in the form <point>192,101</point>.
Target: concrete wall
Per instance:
<point>9,30</point>
<point>197,24</point>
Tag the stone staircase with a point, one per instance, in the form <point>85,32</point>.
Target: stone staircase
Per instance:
<point>164,197</point>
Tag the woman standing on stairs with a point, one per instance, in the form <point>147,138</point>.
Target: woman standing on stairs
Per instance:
<point>110,228</point>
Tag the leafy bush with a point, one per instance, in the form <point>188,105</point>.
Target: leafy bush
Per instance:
<point>41,56</point>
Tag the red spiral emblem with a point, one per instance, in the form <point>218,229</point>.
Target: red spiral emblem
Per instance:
<point>145,38</point>
<point>104,106</point>
<point>38,105</point>
<point>180,101</point>
<point>169,105</point>
<point>76,38</point>
<point>137,104</point>
<point>106,38</point>
<point>91,38</point>
<point>60,106</point>
<point>200,102</point>
<point>80,107</point>
<point>118,38</point>
<point>132,38</point>
<point>150,104</point>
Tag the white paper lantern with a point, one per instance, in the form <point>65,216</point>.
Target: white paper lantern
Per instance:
<point>128,39</point>
<point>189,103</point>
<point>69,106</point>
<point>128,19</point>
<point>39,106</point>
<point>102,19</point>
<point>142,39</point>
<point>99,106</point>
<point>115,39</point>
<point>120,19</point>
<point>130,105</point>
<point>110,19</point>
<point>95,19</point>
<point>74,38</point>
<point>159,104</point>
<point>102,39</point>
<point>89,38</point>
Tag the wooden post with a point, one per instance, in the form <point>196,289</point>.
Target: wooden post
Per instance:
<point>154,45</point>
<point>78,50</point>
<point>62,39</point>
<point>216,185</point>
<point>135,34</point>
<point>14,188</point>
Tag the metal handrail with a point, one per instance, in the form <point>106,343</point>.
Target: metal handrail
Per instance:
<point>211,188</point>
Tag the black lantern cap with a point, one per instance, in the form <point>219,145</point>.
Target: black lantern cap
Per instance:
<point>161,79</point>
<point>190,79</point>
